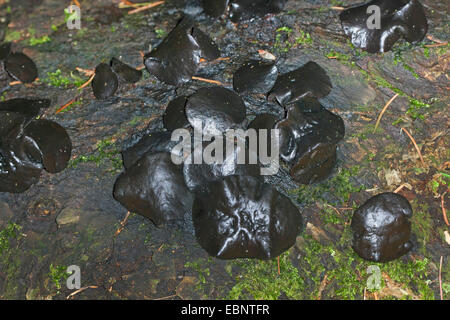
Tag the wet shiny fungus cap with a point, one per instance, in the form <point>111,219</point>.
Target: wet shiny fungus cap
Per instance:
<point>382,228</point>
<point>399,19</point>
<point>240,217</point>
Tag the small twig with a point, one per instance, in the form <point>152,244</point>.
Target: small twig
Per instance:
<point>444,212</point>
<point>440,279</point>
<point>322,286</point>
<point>122,224</point>
<point>65,106</point>
<point>434,45</point>
<point>87,82</point>
<point>149,6</point>
<point>383,111</point>
<point>80,290</point>
<point>430,37</point>
<point>415,145</point>
<point>208,80</point>
<point>400,188</point>
<point>13,83</point>
<point>86,72</point>
<point>168,297</point>
<point>337,8</point>
<point>335,209</point>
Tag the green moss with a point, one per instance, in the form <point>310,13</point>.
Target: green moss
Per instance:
<point>335,190</point>
<point>260,280</point>
<point>284,42</point>
<point>13,36</point>
<point>36,41</point>
<point>57,79</point>
<point>106,151</point>
<point>11,231</point>
<point>421,224</point>
<point>56,275</point>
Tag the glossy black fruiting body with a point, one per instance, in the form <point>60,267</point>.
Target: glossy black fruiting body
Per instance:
<point>399,18</point>
<point>28,145</point>
<point>177,57</point>
<point>28,107</point>
<point>255,77</point>
<point>382,228</point>
<point>18,65</point>
<point>125,72</point>
<point>105,82</point>
<point>214,110</point>
<point>308,138</point>
<point>310,80</point>
<point>241,10</point>
<point>197,176</point>
<point>240,217</point>
<point>150,143</point>
<point>154,187</point>
<point>175,116</point>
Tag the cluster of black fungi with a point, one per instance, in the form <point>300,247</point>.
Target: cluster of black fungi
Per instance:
<point>236,214</point>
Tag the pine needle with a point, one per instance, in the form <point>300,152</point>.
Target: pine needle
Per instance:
<point>415,145</point>
<point>383,111</point>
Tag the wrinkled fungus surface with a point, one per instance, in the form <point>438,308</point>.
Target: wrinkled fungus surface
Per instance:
<point>105,82</point>
<point>215,109</point>
<point>154,187</point>
<point>28,145</point>
<point>381,228</point>
<point>255,77</point>
<point>308,138</point>
<point>240,217</point>
<point>399,19</point>
<point>308,80</point>
<point>178,56</point>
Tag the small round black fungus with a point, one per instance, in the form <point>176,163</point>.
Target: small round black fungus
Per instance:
<point>399,18</point>
<point>175,116</point>
<point>240,217</point>
<point>178,56</point>
<point>255,77</point>
<point>241,10</point>
<point>105,82</point>
<point>310,80</point>
<point>53,142</point>
<point>21,67</point>
<point>382,228</point>
<point>215,110</point>
<point>125,72</point>
<point>154,187</point>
